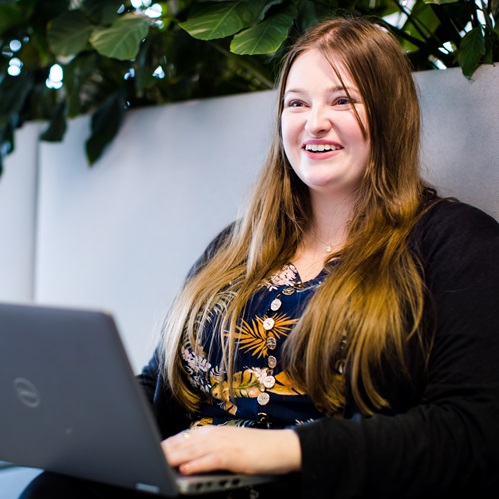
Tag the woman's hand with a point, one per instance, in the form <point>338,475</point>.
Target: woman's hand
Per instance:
<point>240,450</point>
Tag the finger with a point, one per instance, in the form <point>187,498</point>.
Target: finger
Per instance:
<point>183,448</point>
<point>184,437</point>
<point>202,464</point>
<point>177,451</point>
<point>178,439</point>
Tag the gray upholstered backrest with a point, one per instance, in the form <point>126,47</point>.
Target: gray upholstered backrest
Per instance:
<point>123,234</point>
<point>461,134</point>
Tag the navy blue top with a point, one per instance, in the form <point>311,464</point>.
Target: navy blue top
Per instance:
<point>264,395</point>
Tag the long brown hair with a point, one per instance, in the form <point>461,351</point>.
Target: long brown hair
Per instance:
<point>373,300</point>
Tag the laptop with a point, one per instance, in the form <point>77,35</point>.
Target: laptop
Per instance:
<point>70,403</point>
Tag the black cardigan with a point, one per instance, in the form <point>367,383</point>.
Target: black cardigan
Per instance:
<point>440,436</point>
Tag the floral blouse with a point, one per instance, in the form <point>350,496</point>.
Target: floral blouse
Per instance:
<point>264,395</point>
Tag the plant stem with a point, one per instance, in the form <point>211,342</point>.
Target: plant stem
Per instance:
<point>424,45</point>
<point>486,14</point>
<point>418,25</point>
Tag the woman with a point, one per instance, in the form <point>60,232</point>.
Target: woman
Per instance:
<point>351,309</point>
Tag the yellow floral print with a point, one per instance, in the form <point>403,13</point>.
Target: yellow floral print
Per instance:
<point>244,384</point>
<point>252,337</point>
<point>249,383</point>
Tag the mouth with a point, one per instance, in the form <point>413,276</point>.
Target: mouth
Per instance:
<point>321,148</point>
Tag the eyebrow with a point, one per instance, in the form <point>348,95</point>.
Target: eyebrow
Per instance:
<point>337,88</point>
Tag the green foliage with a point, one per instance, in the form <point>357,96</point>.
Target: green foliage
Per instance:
<point>115,56</point>
<point>266,36</point>
<point>68,34</point>
<point>212,20</point>
<point>122,39</point>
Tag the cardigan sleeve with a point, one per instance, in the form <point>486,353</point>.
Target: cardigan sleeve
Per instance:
<point>448,441</point>
<point>170,416</point>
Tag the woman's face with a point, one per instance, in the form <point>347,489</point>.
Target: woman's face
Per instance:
<point>321,136</point>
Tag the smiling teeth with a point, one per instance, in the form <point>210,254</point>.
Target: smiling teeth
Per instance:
<point>321,147</point>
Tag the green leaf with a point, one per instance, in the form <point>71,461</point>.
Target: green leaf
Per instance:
<point>310,13</point>
<point>7,144</point>
<point>471,50</point>
<point>14,93</point>
<point>143,70</point>
<point>10,16</point>
<point>30,57</point>
<point>58,125</point>
<point>106,122</point>
<point>269,4</point>
<point>264,38</point>
<point>77,75</point>
<point>421,25</point>
<point>440,2</point>
<point>6,139</point>
<point>68,34</point>
<point>102,11</point>
<point>122,39</point>
<point>212,20</point>
<point>491,41</point>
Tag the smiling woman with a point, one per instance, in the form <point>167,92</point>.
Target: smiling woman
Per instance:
<point>351,355</point>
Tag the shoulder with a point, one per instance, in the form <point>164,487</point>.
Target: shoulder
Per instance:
<point>455,240</point>
<point>447,212</point>
<point>456,223</point>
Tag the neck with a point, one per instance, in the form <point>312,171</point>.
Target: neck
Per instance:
<point>330,228</point>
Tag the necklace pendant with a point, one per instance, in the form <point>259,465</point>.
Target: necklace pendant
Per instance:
<point>328,248</point>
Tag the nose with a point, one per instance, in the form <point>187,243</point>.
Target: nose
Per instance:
<point>318,121</point>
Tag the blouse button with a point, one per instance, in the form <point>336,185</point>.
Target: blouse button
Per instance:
<point>271,343</point>
<point>275,305</point>
<point>269,382</point>
<point>288,291</point>
<point>263,398</point>
<point>271,361</point>
<point>268,323</point>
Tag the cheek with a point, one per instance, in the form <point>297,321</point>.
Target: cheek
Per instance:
<point>367,150</point>
<point>289,137</point>
<point>364,159</point>
<point>284,129</point>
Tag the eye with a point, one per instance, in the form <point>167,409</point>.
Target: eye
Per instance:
<point>343,102</point>
<point>294,103</point>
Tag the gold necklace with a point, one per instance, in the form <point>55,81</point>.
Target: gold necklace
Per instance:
<point>329,246</point>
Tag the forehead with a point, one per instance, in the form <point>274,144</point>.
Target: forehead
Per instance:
<point>312,67</point>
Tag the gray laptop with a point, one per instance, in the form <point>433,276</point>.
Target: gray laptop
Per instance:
<point>70,403</point>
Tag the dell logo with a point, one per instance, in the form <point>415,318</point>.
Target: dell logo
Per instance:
<point>27,392</point>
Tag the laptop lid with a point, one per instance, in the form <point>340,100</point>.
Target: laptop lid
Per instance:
<point>70,403</point>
